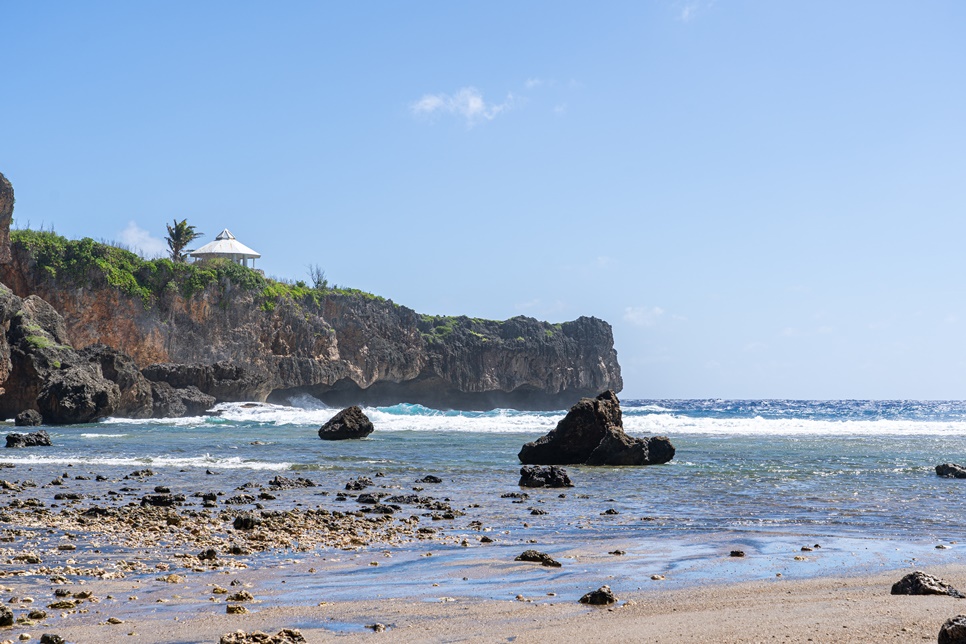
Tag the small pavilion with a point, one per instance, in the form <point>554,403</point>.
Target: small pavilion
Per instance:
<point>227,247</point>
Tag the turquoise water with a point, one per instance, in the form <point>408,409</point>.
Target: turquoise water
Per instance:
<point>857,477</point>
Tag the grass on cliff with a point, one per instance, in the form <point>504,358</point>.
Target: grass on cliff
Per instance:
<point>86,262</point>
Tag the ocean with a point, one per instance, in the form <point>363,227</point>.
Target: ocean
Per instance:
<point>855,478</point>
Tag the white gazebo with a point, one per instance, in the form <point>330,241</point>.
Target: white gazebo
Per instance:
<point>227,247</point>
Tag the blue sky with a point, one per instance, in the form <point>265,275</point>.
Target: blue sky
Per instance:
<point>765,199</point>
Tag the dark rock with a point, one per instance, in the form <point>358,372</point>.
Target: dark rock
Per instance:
<point>224,381</point>
<point>169,402</point>
<point>429,478</point>
<point>351,422</point>
<point>537,476</point>
<point>538,557</point>
<point>77,395</point>
<point>737,553</point>
<point>600,597</point>
<point>360,483</point>
<point>246,522</point>
<point>284,483</point>
<point>953,631</point>
<point>51,638</point>
<point>919,583</point>
<point>162,500</point>
<point>592,433</point>
<point>951,471</point>
<point>6,616</point>
<point>35,439</point>
<point>28,418</point>
<point>209,554</point>
<point>136,399</point>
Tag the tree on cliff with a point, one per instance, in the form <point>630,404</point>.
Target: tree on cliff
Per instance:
<point>179,236</point>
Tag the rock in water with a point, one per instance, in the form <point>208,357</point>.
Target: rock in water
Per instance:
<point>919,583</point>
<point>537,476</point>
<point>28,418</point>
<point>592,433</point>
<point>348,423</point>
<point>953,631</point>
<point>600,597</point>
<point>36,439</point>
<point>951,471</point>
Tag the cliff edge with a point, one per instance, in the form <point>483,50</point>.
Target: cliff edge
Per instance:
<point>339,345</point>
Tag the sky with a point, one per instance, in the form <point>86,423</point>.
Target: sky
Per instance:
<point>765,199</point>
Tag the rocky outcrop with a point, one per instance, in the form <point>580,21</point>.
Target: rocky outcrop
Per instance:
<point>169,402</point>
<point>592,433</point>
<point>6,217</point>
<point>349,423</point>
<point>919,583</point>
<point>225,381</point>
<point>537,476</point>
<point>242,341</point>
<point>47,380</point>
<point>951,471</point>
<point>28,418</point>
<point>36,439</point>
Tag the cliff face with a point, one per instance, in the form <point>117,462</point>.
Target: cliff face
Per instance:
<point>340,347</point>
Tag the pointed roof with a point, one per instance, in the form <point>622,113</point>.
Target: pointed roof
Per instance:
<point>225,245</point>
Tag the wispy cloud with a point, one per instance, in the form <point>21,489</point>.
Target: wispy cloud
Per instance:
<point>688,11</point>
<point>643,316</point>
<point>467,103</point>
<point>142,241</point>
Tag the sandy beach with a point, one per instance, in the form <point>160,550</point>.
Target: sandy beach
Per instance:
<point>849,609</point>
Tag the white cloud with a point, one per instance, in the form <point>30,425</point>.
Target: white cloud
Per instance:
<point>467,102</point>
<point>643,316</point>
<point>755,347</point>
<point>141,241</point>
<point>690,10</point>
<point>534,82</point>
<point>560,109</point>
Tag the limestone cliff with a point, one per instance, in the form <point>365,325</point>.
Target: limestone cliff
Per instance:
<point>338,345</point>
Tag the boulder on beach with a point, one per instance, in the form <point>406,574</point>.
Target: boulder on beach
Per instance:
<point>603,596</point>
<point>538,476</point>
<point>951,471</point>
<point>349,423</point>
<point>919,583</point>
<point>592,433</point>
<point>953,631</point>
<point>28,418</point>
<point>36,439</point>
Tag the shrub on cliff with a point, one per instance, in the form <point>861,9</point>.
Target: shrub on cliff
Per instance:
<point>88,263</point>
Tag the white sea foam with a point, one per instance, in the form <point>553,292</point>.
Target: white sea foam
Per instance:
<point>678,424</point>
<point>104,435</point>
<point>205,461</point>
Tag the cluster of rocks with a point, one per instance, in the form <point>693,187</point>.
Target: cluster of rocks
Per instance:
<point>592,433</point>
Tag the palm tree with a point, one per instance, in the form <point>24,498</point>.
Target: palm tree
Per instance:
<point>179,236</point>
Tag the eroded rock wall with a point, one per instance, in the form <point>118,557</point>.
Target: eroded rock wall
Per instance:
<point>344,348</point>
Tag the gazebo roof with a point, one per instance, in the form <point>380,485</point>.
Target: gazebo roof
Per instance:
<point>225,245</point>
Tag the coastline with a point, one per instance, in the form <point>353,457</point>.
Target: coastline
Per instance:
<point>150,518</point>
<point>827,609</point>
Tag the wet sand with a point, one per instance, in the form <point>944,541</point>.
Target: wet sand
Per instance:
<point>854,609</point>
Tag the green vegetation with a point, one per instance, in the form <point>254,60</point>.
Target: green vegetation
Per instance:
<point>179,236</point>
<point>86,262</point>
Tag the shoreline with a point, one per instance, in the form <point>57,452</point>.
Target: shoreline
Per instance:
<point>827,609</point>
